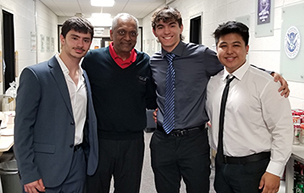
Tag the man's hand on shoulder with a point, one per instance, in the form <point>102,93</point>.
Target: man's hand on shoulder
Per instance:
<point>34,187</point>
<point>284,85</point>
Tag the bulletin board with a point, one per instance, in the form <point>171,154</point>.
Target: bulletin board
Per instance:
<point>292,51</point>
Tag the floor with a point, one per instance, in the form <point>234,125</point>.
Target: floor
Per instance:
<point>147,184</point>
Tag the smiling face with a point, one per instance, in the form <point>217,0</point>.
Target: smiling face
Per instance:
<point>232,51</point>
<point>124,35</point>
<point>168,34</point>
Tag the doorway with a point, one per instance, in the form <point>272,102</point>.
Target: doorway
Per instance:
<point>8,49</point>
<point>195,30</point>
<point>105,42</point>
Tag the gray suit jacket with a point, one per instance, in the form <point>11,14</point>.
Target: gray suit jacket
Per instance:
<point>45,127</point>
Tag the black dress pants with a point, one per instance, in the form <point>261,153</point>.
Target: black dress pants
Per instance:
<point>122,159</point>
<point>239,178</point>
<point>184,157</point>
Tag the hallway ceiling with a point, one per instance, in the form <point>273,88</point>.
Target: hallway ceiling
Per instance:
<point>68,8</point>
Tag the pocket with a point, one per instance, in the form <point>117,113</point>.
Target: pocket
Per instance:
<point>258,167</point>
<point>44,148</point>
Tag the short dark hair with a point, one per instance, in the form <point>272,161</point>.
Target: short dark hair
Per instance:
<point>167,14</point>
<point>232,27</point>
<point>78,24</point>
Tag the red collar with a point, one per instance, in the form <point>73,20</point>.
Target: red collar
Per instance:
<point>119,61</point>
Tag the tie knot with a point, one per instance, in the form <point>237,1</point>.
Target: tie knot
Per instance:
<point>170,56</point>
<point>229,78</point>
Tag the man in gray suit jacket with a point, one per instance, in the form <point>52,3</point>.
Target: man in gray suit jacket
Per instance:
<point>55,124</point>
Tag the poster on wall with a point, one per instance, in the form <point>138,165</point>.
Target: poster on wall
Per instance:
<point>48,44</point>
<point>292,51</point>
<point>42,41</point>
<point>52,44</point>
<point>263,11</point>
<point>264,18</point>
<point>292,42</point>
<point>33,42</point>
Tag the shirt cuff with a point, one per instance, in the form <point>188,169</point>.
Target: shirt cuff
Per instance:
<point>275,168</point>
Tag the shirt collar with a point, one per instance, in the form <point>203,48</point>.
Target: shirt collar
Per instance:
<point>115,56</point>
<point>112,51</point>
<point>177,51</point>
<point>63,67</point>
<point>118,59</point>
<point>239,73</point>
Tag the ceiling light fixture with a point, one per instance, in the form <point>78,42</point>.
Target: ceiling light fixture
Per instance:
<point>101,19</point>
<point>101,15</point>
<point>102,3</point>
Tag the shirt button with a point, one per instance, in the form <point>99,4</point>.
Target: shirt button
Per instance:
<point>72,123</point>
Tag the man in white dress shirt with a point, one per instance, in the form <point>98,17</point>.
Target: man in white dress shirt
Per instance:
<point>257,137</point>
<point>55,137</point>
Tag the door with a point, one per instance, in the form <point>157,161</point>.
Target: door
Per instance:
<point>8,49</point>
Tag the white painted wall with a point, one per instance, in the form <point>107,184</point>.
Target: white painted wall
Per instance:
<point>25,24</point>
<point>264,52</point>
<point>47,23</point>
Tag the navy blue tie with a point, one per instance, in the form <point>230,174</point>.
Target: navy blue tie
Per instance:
<point>220,148</point>
<point>169,115</point>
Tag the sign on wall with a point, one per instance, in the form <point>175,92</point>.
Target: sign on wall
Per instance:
<point>292,52</point>
<point>264,18</point>
<point>264,11</point>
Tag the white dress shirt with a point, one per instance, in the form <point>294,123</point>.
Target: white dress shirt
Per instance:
<point>257,117</point>
<point>78,96</point>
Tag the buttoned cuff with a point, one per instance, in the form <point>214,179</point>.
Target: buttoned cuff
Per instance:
<point>275,168</point>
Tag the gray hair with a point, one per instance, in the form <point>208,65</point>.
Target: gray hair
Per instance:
<point>123,15</point>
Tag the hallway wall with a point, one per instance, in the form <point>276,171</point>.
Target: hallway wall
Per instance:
<point>263,52</point>
<point>31,32</point>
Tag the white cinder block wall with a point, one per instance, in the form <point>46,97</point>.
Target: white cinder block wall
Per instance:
<point>264,52</point>
<point>30,17</point>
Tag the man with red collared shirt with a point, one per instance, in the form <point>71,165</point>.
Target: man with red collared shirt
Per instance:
<point>119,61</point>
<point>122,89</point>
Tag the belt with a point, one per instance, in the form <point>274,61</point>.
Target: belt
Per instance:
<point>180,132</point>
<point>76,147</point>
<point>247,159</point>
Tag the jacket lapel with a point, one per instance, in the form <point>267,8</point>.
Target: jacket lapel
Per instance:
<point>58,76</point>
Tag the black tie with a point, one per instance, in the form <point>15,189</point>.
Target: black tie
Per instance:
<point>220,150</point>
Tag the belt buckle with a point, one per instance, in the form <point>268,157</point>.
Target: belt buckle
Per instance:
<point>178,133</point>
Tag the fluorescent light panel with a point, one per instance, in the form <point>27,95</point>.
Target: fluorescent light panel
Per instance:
<point>101,19</point>
<point>101,15</point>
<point>102,3</point>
